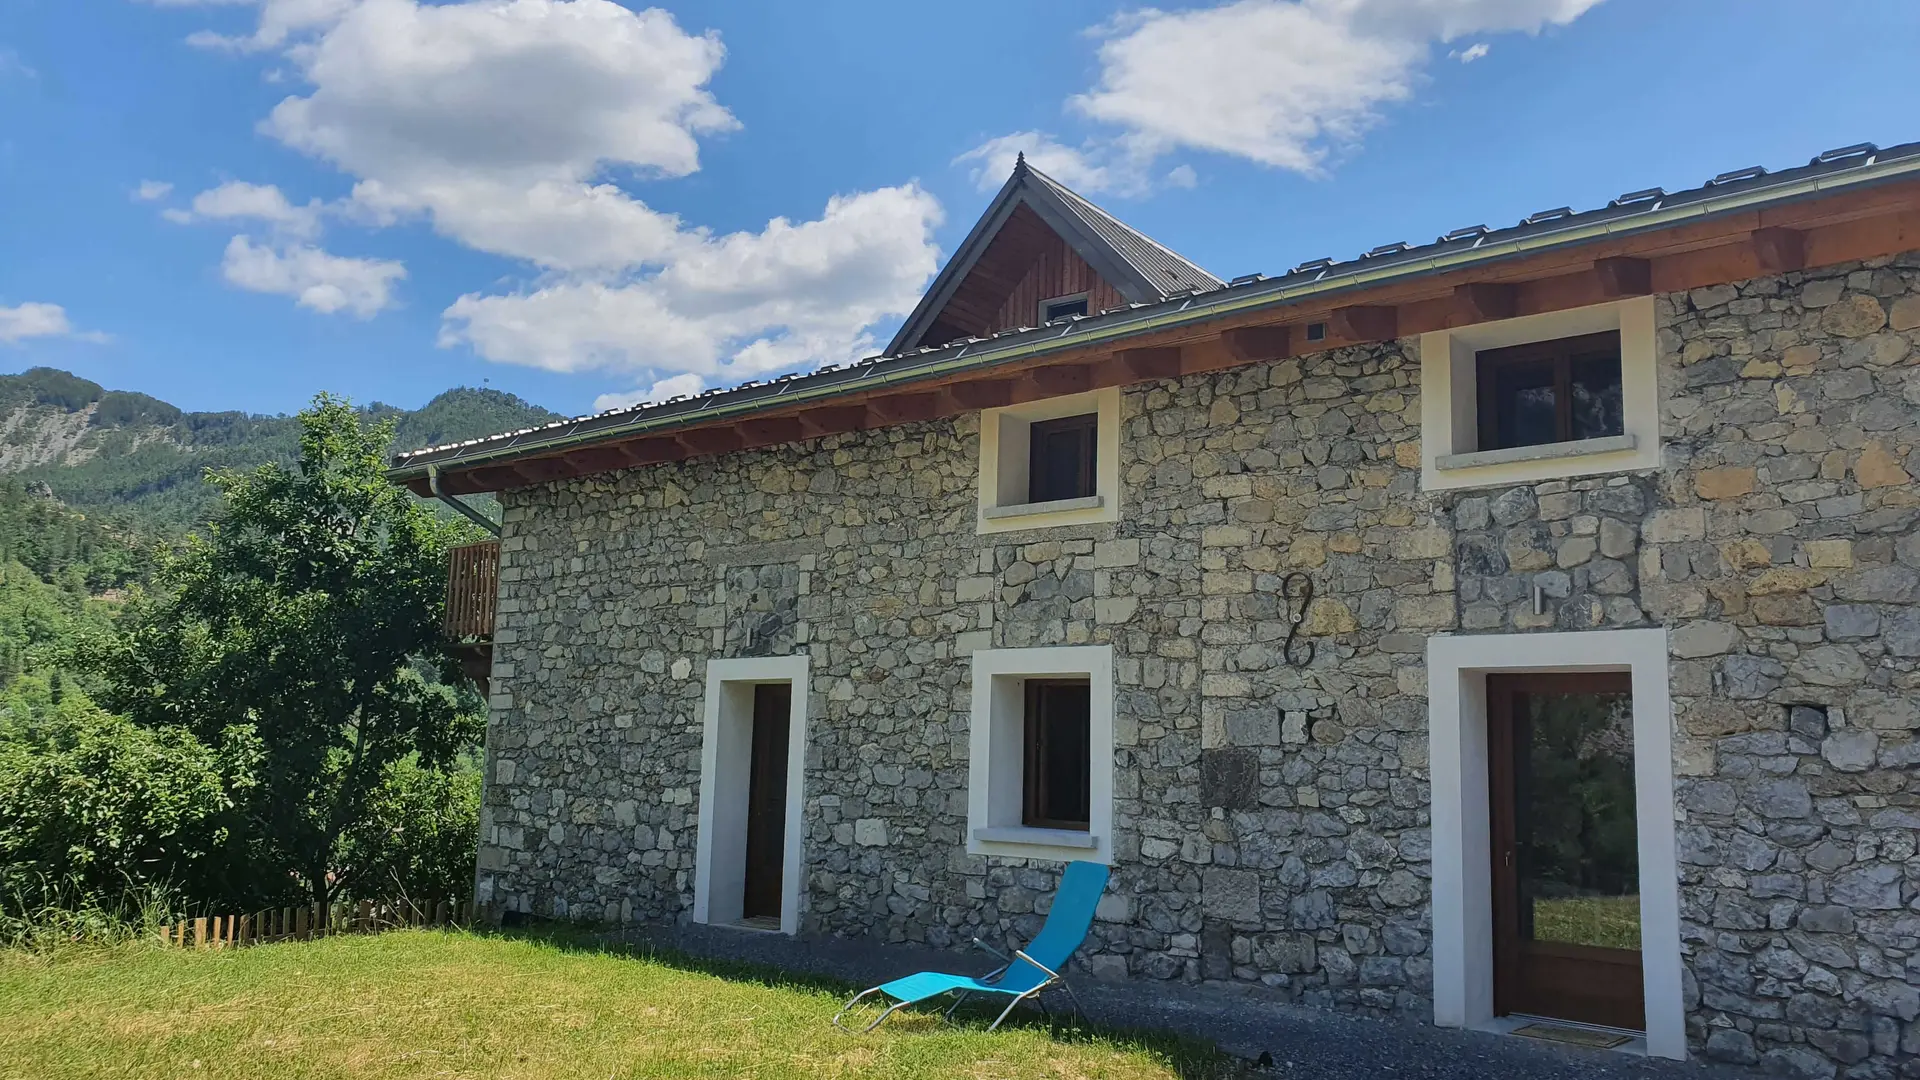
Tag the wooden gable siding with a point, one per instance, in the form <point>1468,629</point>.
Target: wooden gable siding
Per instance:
<point>1058,271</point>
<point>1025,263</point>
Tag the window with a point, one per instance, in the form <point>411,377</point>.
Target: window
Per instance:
<point>1054,782</point>
<point>1050,462</point>
<point>1550,392</point>
<point>1040,765</point>
<point>1552,396</point>
<point>1060,458</point>
<point>1061,307</point>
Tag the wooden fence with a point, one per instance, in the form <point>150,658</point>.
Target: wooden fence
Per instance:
<point>303,923</point>
<point>473,581</point>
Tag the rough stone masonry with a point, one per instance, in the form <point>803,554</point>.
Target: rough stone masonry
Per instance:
<point>1271,821</point>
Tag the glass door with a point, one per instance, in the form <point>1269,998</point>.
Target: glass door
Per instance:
<point>1566,859</point>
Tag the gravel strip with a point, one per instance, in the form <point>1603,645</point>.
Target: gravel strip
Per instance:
<point>1301,1042</point>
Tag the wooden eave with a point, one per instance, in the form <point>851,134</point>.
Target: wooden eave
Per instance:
<point>1718,248</point>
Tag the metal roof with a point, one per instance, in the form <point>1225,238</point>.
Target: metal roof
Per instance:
<point>1139,268</point>
<point>1634,212</point>
<point>1169,271</point>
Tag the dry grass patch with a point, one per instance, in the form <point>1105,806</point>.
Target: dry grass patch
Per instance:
<point>446,1004</point>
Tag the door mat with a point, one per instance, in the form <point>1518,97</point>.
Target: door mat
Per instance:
<point>1573,1036</point>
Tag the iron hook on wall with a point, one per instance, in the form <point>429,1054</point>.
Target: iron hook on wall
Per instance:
<point>1296,592</point>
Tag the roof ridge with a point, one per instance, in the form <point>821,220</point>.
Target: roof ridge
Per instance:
<point>1082,200</point>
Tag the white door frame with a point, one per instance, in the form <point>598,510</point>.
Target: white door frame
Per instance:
<point>726,751</point>
<point>1457,667</point>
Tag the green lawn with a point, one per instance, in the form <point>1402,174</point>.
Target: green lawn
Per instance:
<point>448,1004</point>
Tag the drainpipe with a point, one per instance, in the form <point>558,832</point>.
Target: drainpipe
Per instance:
<point>478,518</point>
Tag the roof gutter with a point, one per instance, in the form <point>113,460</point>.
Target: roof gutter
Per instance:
<point>475,516</point>
<point>1194,310</point>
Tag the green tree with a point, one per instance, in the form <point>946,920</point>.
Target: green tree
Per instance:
<point>309,614</point>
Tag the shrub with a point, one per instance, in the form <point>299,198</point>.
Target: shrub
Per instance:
<point>418,839</point>
<point>97,806</point>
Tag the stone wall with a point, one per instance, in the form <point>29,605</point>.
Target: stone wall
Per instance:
<point>1271,821</point>
<point>1783,553</point>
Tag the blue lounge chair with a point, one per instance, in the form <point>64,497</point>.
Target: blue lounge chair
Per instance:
<point>1021,976</point>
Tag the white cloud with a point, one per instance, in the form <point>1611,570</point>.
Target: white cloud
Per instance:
<point>1471,53</point>
<point>1093,166</point>
<point>152,190</point>
<point>522,128</point>
<point>34,319</point>
<point>12,64</point>
<point>662,390</point>
<point>314,278</point>
<point>1285,83</point>
<point>238,200</point>
<point>499,118</point>
<point>278,21</point>
<point>730,308</point>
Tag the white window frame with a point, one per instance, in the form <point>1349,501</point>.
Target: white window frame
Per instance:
<point>1457,670</point>
<point>1066,299</point>
<point>1450,401</point>
<point>726,748</point>
<point>996,761</point>
<point>1003,464</point>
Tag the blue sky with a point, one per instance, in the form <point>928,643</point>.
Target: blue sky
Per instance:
<point>237,203</point>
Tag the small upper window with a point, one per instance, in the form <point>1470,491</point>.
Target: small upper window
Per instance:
<point>1060,459</point>
<point>1055,461</point>
<point>1055,785</point>
<point>1550,392</point>
<point>1062,307</point>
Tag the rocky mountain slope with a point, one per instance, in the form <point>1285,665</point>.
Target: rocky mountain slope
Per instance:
<point>133,455</point>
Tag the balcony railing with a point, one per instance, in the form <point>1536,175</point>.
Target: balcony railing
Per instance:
<point>473,581</point>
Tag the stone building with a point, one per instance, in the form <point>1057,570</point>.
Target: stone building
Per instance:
<point>1526,623</point>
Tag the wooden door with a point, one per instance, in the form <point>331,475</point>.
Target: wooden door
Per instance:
<point>1566,869</point>
<point>767,801</point>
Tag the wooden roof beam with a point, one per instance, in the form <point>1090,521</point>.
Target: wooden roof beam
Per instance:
<point>906,408</point>
<point>1061,379</point>
<point>1248,344</point>
<point>1143,365</point>
<point>1484,301</point>
<point>772,430</point>
<point>1779,250</point>
<point>597,459</point>
<point>833,420</point>
<point>980,394</point>
<point>711,440</point>
<point>486,478</point>
<point>656,450</point>
<point>542,469</point>
<point>1363,322</point>
<point>1620,277</point>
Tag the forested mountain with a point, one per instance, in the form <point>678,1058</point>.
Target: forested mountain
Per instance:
<point>142,461</point>
<point>61,573</point>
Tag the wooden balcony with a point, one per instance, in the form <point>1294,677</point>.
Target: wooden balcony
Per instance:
<point>473,582</point>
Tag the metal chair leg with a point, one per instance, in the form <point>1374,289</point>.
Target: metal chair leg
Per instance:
<point>848,1007</point>
<point>958,997</point>
<point>1033,993</point>
<point>1077,1007</point>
